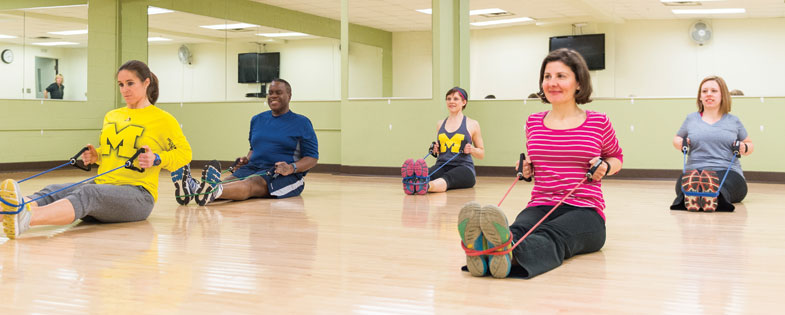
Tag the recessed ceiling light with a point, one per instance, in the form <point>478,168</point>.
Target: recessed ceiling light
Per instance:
<point>709,11</point>
<point>55,43</point>
<point>472,12</point>
<point>158,39</point>
<point>6,36</point>
<point>228,26</point>
<point>74,32</point>
<point>486,11</point>
<point>505,21</point>
<point>157,10</point>
<point>290,34</point>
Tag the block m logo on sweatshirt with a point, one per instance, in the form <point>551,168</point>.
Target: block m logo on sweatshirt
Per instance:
<point>122,141</point>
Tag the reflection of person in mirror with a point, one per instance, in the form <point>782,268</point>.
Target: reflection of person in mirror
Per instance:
<point>283,148</point>
<point>712,135</point>
<point>55,90</point>
<point>119,194</point>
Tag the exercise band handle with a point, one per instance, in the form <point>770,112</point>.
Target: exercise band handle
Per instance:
<point>75,163</point>
<point>130,163</point>
<point>430,150</point>
<point>593,168</point>
<point>736,148</point>
<point>520,168</point>
<point>684,145</point>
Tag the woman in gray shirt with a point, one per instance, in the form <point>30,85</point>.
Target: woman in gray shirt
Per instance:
<point>711,133</point>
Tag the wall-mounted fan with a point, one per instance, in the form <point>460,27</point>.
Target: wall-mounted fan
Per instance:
<point>700,32</point>
<point>184,54</point>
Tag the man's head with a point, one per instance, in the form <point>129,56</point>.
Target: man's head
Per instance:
<point>278,96</point>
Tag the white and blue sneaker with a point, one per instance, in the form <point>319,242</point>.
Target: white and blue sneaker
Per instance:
<point>210,188</point>
<point>184,185</point>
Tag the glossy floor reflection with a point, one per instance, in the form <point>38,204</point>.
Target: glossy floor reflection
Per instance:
<point>357,244</point>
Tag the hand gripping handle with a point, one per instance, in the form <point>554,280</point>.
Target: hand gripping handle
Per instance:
<point>75,163</point>
<point>520,168</point>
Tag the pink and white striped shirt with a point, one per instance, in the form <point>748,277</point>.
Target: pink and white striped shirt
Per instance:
<point>561,159</point>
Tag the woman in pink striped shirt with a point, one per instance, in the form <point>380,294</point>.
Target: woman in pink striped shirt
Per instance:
<point>562,144</point>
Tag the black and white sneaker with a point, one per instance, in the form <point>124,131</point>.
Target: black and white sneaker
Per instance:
<point>184,185</point>
<point>210,188</point>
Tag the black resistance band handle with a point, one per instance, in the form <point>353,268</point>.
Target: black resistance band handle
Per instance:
<point>684,145</point>
<point>234,166</point>
<point>520,168</point>
<point>430,149</point>
<point>736,148</point>
<point>593,169</point>
<point>75,163</point>
<point>130,163</point>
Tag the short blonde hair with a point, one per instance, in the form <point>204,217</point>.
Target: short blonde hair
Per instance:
<point>59,76</point>
<point>725,98</point>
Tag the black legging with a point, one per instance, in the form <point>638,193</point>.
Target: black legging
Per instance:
<point>567,232</point>
<point>456,176</point>
<point>733,190</point>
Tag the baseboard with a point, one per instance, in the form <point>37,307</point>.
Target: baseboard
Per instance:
<point>642,174</point>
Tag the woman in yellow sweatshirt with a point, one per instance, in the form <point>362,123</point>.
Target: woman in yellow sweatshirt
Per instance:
<point>123,195</point>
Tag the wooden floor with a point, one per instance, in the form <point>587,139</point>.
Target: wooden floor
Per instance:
<point>357,244</point>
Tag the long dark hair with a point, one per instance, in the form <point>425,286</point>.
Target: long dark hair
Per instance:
<point>143,72</point>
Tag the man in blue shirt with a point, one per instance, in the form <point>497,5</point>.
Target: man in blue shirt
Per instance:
<point>283,148</point>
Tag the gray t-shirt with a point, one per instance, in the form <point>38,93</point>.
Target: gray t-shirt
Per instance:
<point>710,144</point>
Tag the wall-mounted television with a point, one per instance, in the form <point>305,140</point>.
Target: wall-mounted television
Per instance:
<point>258,67</point>
<point>590,46</point>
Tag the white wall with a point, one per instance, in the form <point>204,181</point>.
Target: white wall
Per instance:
<point>365,71</point>
<point>21,72</point>
<point>11,74</point>
<point>643,58</point>
<point>312,67</point>
<point>412,64</point>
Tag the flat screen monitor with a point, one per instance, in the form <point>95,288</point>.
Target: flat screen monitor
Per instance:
<point>590,46</point>
<point>258,67</point>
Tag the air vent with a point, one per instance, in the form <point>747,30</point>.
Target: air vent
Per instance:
<point>682,4</point>
<point>494,15</point>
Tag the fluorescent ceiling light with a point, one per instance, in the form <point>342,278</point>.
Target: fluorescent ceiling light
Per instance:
<point>157,10</point>
<point>505,21</point>
<point>59,6</point>
<point>486,11</point>
<point>74,32</point>
<point>472,12</point>
<point>709,11</point>
<point>228,26</point>
<point>55,43</point>
<point>158,39</point>
<point>6,36</point>
<point>290,34</point>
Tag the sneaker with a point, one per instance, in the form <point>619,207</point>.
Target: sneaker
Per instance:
<point>407,175</point>
<point>210,188</point>
<point>709,183</point>
<point>421,171</point>
<point>14,224</point>
<point>493,223</point>
<point>690,182</point>
<point>471,236</point>
<point>184,185</point>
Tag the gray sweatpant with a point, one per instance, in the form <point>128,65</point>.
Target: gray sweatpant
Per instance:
<point>102,202</point>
